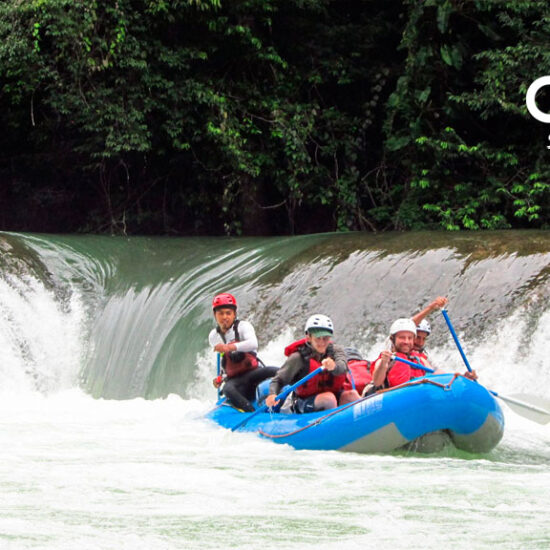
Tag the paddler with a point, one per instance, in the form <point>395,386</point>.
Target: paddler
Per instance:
<point>389,372</point>
<point>324,391</point>
<point>236,341</point>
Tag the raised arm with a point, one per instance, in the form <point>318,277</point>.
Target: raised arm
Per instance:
<point>438,303</point>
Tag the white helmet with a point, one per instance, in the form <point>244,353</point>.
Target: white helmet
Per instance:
<point>424,326</point>
<point>320,323</point>
<point>403,324</point>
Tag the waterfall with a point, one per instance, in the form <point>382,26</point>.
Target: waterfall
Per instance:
<point>129,317</point>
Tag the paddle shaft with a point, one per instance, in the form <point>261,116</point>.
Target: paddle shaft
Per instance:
<point>412,364</point>
<point>455,338</point>
<point>283,395</point>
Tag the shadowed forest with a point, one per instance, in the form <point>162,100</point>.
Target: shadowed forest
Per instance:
<point>272,117</point>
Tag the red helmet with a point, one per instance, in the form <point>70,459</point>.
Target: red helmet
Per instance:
<point>224,300</point>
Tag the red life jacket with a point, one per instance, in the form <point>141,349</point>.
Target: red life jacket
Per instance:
<point>291,348</point>
<point>421,354</point>
<point>360,370</point>
<point>236,363</point>
<point>325,381</point>
<point>400,373</point>
<point>423,358</point>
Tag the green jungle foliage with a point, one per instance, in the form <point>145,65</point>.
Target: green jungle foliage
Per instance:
<point>252,117</point>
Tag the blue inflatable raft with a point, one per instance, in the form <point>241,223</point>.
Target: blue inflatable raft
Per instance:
<point>423,415</point>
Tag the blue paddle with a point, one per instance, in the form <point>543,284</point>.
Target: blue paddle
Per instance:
<point>412,364</point>
<point>281,397</point>
<point>455,338</point>
<point>527,410</point>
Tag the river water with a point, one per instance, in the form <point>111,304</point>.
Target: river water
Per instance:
<point>105,378</point>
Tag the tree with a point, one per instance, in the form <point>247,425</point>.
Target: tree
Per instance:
<point>457,124</point>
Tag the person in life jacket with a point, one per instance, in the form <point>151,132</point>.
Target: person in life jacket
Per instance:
<point>388,372</point>
<point>236,341</point>
<point>324,391</point>
<point>423,328</point>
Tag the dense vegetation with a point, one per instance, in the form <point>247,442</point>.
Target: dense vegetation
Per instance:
<point>272,116</point>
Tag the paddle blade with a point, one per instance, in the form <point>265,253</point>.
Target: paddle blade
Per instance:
<point>532,407</point>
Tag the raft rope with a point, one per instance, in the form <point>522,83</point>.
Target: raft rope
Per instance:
<point>445,387</point>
